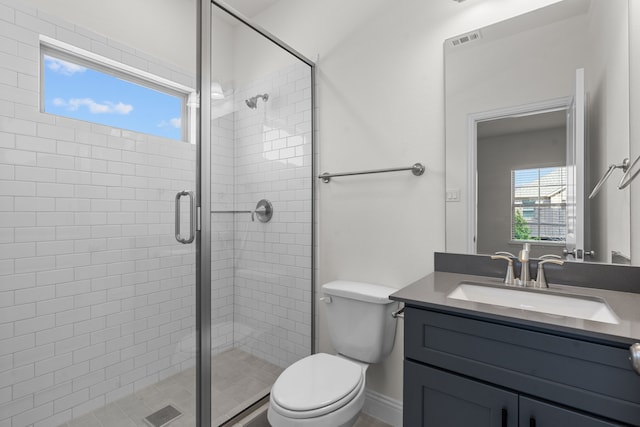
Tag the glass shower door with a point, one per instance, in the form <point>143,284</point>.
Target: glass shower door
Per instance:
<point>260,211</point>
<point>97,298</point>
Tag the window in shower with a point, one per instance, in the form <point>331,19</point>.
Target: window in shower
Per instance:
<point>93,89</point>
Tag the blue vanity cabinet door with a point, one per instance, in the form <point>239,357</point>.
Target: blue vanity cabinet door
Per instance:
<point>534,413</point>
<point>436,398</point>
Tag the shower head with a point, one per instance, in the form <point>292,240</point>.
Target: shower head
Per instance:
<point>253,101</point>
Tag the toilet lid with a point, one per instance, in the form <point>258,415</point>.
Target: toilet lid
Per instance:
<point>315,382</point>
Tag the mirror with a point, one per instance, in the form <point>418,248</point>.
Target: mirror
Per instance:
<point>510,102</point>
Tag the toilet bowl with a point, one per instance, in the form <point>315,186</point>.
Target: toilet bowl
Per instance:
<point>321,390</point>
<point>324,390</point>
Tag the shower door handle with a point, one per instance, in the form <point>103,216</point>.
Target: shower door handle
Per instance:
<point>192,217</point>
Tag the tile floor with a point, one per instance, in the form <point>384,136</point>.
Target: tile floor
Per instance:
<point>368,421</point>
<point>239,379</point>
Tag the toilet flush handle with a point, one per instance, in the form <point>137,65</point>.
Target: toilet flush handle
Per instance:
<point>398,314</point>
<point>327,300</point>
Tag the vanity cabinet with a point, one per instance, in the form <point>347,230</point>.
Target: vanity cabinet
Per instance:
<point>440,398</point>
<point>464,371</point>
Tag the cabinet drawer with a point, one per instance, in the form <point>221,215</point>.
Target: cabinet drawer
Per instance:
<point>592,377</point>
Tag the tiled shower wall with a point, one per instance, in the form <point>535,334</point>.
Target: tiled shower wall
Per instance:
<point>269,279</point>
<point>96,296</point>
<point>222,228</point>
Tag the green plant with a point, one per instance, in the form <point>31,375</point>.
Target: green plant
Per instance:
<point>521,230</point>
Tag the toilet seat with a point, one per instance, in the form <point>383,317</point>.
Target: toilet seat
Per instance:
<point>316,385</point>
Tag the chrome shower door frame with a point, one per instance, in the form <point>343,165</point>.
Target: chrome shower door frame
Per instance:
<point>203,233</point>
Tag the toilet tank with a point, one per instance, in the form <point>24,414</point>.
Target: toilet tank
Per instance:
<point>359,319</point>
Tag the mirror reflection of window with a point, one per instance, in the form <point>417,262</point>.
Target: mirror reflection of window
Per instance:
<point>539,204</point>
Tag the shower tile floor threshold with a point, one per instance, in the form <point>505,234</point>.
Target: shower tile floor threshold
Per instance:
<point>239,380</point>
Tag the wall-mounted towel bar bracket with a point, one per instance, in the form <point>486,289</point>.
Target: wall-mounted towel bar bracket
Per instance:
<point>630,173</point>
<point>624,166</point>
<point>416,169</point>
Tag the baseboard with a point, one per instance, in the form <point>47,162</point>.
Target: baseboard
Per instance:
<point>383,408</point>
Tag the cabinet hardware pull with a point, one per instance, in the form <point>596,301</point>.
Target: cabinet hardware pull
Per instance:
<point>505,417</point>
<point>532,422</point>
<point>635,357</point>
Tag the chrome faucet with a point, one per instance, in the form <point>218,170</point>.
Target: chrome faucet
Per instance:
<point>541,280</point>
<point>509,278</point>
<point>525,277</point>
<point>523,257</point>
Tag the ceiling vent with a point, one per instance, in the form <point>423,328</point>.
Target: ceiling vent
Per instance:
<point>466,38</point>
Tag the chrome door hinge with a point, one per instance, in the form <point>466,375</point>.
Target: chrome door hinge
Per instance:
<point>198,219</point>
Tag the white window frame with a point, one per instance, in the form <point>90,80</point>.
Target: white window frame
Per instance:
<point>65,51</point>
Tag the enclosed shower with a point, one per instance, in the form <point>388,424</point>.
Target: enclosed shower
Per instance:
<point>147,280</point>
<point>261,205</point>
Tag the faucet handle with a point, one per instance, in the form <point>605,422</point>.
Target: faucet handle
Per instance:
<point>509,254</point>
<point>509,278</point>
<point>541,280</point>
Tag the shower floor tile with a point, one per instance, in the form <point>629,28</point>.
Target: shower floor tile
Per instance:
<point>239,379</point>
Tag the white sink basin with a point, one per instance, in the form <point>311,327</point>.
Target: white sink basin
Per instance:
<point>580,307</point>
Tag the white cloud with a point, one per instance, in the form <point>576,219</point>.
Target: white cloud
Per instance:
<point>74,104</point>
<point>63,67</point>
<point>175,122</point>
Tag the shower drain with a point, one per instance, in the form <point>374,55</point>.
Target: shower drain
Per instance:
<point>163,416</point>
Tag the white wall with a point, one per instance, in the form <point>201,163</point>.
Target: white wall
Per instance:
<point>380,104</point>
<point>164,29</point>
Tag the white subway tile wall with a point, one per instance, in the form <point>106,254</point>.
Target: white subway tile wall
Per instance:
<point>264,153</point>
<point>96,296</point>
<point>273,260</point>
<point>222,232</point>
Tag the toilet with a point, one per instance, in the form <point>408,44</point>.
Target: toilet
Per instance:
<point>325,390</point>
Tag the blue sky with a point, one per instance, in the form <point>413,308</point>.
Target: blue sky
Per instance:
<point>85,94</point>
